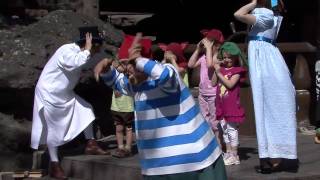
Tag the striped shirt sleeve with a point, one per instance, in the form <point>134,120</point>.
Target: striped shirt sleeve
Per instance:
<point>117,81</point>
<point>164,75</point>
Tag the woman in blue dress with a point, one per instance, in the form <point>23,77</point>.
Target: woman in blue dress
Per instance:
<point>272,89</point>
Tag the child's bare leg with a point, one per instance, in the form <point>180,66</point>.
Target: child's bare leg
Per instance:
<point>228,148</point>
<point>129,138</point>
<point>234,139</point>
<point>234,150</point>
<point>119,135</point>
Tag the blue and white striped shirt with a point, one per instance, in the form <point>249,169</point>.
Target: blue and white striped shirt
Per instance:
<point>172,135</point>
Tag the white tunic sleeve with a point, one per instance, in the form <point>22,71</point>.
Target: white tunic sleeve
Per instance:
<point>264,18</point>
<point>72,59</point>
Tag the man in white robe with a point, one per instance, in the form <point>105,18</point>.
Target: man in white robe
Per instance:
<point>59,115</point>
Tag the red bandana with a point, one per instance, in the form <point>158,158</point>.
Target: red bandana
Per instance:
<point>177,50</point>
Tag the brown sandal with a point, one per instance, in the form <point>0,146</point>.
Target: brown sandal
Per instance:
<point>121,153</point>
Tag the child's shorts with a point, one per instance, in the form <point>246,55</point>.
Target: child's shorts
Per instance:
<point>122,118</point>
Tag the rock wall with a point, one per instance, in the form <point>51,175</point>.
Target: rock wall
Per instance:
<point>24,50</point>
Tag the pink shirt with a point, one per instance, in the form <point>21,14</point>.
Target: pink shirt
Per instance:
<point>228,104</point>
<point>205,85</point>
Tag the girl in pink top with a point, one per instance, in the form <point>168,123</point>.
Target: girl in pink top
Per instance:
<point>207,91</point>
<point>228,108</point>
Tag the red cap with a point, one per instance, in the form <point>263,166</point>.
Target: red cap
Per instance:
<point>213,34</point>
<point>177,50</point>
<point>127,42</point>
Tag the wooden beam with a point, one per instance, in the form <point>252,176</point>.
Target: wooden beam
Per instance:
<point>289,47</point>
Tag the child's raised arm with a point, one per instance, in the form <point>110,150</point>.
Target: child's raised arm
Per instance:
<point>194,59</point>
<point>208,46</point>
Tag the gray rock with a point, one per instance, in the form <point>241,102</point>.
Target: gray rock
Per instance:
<point>26,49</point>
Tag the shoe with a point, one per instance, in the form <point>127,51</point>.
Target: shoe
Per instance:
<point>308,131</point>
<point>262,170</point>
<point>92,148</point>
<point>56,171</point>
<point>317,136</point>
<point>236,160</point>
<point>264,167</point>
<point>286,167</point>
<point>230,160</point>
<point>122,153</point>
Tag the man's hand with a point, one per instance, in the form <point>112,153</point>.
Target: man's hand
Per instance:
<point>135,52</point>
<point>102,67</point>
<point>118,65</point>
<point>88,44</point>
<point>136,48</point>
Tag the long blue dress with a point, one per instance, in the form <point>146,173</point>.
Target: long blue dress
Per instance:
<point>272,88</point>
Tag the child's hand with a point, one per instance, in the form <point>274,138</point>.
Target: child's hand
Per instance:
<point>207,43</point>
<point>216,65</point>
<point>170,57</point>
<point>117,94</point>
<point>200,45</point>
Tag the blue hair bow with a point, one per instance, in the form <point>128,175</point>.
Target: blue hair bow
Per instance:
<point>274,3</point>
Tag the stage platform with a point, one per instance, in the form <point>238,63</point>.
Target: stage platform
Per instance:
<point>107,167</point>
<point>84,167</point>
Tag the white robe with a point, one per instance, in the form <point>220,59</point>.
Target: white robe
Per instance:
<point>59,115</point>
<point>273,91</point>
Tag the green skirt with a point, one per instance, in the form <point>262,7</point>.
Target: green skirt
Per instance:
<point>216,171</point>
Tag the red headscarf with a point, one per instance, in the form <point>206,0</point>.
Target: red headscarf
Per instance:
<point>177,50</point>
<point>213,34</point>
<point>127,42</point>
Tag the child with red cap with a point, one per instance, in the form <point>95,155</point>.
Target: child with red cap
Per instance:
<point>207,91</point>
<point>173,54</point>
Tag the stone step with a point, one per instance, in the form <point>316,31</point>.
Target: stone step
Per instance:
<point>90,167</point>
